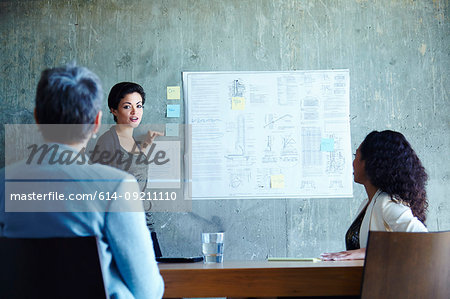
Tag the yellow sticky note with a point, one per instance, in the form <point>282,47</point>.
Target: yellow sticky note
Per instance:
<point>237,103</point>
<point>173,92</point>
<point>277,181</point>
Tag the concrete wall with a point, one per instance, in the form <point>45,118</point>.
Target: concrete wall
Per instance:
<point>397,52</point>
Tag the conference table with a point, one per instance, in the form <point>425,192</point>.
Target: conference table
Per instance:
<point>262,279</point>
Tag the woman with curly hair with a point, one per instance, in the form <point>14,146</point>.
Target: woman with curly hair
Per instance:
<point>395,180</point>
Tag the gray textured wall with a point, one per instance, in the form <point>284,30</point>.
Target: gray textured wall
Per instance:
<point>397,52</point>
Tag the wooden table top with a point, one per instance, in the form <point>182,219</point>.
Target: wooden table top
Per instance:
<point>259,264</point>
<point>262,279</point>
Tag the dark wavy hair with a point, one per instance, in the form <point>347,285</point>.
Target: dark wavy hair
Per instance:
<point>120,90</point>
<point>392,166</point>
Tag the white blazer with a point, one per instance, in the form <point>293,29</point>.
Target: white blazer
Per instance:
<point>385,214</point>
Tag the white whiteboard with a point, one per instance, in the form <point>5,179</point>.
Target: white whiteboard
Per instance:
<point>268,134</point>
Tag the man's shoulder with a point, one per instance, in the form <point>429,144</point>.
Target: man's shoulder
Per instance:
<point>74,170</point>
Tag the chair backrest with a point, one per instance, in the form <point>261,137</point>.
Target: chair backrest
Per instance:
<point>50,268</point>
<point>407,265</point>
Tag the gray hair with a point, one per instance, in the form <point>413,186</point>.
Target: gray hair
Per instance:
<point>70,95</point>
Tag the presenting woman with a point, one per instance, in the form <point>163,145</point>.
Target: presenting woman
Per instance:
<point>126,102</point>
<point>394,179</point>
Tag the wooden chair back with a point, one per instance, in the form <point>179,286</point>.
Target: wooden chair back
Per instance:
<point>407,265</point>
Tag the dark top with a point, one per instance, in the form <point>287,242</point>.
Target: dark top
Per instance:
<point>119,158</point>
<point>352,235</point>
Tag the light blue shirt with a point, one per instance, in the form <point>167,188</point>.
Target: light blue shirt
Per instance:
<point>126,251</point>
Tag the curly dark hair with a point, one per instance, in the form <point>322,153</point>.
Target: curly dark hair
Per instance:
<point>392,166</point>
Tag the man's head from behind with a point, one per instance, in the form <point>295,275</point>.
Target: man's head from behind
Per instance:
<point>72,96</point>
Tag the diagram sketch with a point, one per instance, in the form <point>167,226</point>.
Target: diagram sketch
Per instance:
<point>268,134</point>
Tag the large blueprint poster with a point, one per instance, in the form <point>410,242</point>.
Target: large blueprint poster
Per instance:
<point>268,134</point>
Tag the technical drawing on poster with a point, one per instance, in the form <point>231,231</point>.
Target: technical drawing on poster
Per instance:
<point>268,134</point>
